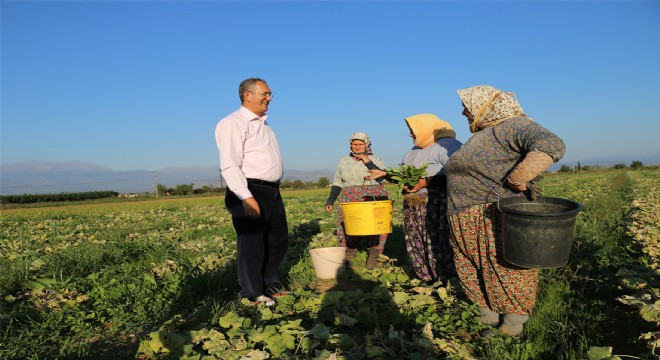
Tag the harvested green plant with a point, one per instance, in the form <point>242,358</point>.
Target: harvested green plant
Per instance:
<point>407,175</point>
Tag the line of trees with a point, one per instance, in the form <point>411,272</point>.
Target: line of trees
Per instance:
<point>299,184</point>
<point>188,189</point>
<point>635,165</point>
<point>181,189</point>
<point>161,190</point>
<point>39,198</point>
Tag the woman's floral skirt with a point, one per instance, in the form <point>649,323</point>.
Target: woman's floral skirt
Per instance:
<point>487,279</point>
<point>427,235</point>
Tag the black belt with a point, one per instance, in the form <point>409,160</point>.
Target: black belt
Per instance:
<point>264,182</point>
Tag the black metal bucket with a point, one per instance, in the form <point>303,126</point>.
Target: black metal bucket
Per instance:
<point>539,233</point>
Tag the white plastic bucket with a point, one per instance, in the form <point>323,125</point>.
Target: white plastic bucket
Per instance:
<point>328,262</point>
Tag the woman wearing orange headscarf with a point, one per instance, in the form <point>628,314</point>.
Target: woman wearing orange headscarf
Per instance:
<point>425,205</point>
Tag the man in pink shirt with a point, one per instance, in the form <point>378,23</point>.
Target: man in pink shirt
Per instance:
<point>251,164</point>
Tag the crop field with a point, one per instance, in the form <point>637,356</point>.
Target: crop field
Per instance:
<point>157,280</point>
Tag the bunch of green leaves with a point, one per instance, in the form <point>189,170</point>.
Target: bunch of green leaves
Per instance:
<point>323,240</point>
<point>407,175</point>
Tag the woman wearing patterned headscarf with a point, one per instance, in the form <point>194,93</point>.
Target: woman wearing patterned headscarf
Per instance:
<point>349,185</point>
<point>507,151</point>
<point>425,205</point>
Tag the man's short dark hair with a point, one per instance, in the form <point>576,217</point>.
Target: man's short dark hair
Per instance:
<point>247,85</point>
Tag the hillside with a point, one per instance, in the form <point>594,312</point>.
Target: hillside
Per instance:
<point>43,177</point>
<point>48,177</point>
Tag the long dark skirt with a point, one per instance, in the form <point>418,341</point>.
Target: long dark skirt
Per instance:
<point>358,194</point>
<point>427,235</point>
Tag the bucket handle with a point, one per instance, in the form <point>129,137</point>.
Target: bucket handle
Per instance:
<point>501,184</point>
<point>328,260</point>
<point>371,183</point>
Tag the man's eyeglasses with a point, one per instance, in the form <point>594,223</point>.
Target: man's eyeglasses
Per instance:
<point>266,94</point>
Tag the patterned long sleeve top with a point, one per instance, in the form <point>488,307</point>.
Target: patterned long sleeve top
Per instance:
<point>477,171</point>
<point>351,172</point>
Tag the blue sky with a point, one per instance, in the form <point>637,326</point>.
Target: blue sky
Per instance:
<point>141,84</point>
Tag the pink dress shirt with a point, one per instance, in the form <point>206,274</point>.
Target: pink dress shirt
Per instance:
<point>248,149</point>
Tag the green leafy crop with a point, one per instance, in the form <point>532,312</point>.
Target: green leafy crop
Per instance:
<point>407,174</point>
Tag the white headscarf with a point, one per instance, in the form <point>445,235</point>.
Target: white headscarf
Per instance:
<point>489,106</point>
<point>360,136</point>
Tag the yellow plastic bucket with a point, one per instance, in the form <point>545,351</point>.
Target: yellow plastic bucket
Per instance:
<point>367,217</point>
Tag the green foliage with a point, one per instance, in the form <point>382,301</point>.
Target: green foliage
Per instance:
<point>180,189</point>
<point>161,189</point>
<point>286,184</point>
<point>565,168</point>
<point>298,184</point>
<point>636,165</point>
<point>158,279</point>
<point>323,181</point>
<point>407,175</point>
<point>183,189</point>
<point>577,303</point>
<point>206,189</point>
<point>42,198</point>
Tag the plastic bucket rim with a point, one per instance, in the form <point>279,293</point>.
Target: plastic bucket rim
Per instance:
<point>365,202</point>
<point>573,211</point>
<point>325,268</point>
<point>319,253</point>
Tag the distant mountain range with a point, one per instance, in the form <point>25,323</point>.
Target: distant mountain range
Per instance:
<point>47,177</point>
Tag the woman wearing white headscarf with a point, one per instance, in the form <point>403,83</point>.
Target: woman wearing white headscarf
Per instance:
<point>507,151</point>
<point>349,185</point>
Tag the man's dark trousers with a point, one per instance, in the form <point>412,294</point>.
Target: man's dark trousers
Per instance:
<point>262,243</point>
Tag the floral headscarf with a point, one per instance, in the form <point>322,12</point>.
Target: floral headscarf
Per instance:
<point>426,127</point>
<point>489,106</point>
<point>360,136</point>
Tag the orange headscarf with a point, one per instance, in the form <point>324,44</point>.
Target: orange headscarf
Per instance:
<point>425,127</point>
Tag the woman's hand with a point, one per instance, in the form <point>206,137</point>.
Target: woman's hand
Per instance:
<point>516,187</point>
<point>329,208</point>
<point>375,174</point>
<point>362,157</point>
<point>530,189</point>
<point>420,185</point>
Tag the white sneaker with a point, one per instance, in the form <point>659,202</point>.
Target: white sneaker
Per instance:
<point>265,300</point>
